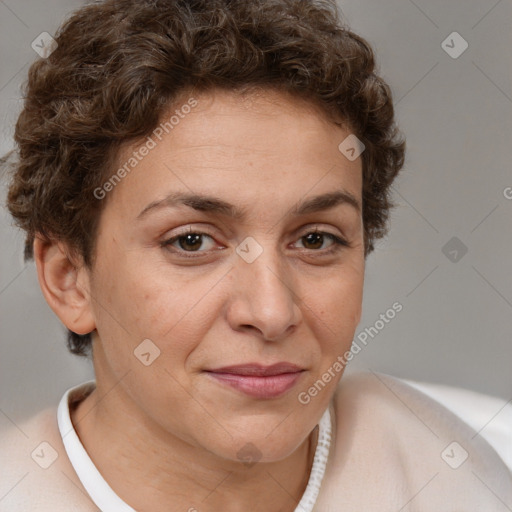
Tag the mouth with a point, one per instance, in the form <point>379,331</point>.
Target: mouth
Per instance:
<point>259,381</point>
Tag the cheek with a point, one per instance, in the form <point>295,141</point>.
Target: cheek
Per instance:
<point>336,311</point>
<point>148,302</point>
<point>338,304</point>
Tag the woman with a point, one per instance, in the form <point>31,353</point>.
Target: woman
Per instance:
<point>200,183</point>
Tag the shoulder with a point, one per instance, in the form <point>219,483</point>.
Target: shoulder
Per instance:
<point>35,472</point>
<point>394,445</point>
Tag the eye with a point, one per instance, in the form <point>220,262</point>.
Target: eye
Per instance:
<point>190,241</point>
<point>315,240</point>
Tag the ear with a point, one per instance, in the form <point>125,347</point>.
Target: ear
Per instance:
<point>65,285</point>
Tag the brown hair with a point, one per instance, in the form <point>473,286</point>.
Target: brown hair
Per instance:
<point>118,66</point>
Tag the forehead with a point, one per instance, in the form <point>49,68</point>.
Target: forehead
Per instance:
<point>265,144</point>
<point>265,120</point>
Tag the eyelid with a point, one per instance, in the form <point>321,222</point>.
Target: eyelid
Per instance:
<point>339,241</point>
<point>168,241</point>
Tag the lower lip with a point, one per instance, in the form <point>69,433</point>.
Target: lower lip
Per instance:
<point>270,386</point>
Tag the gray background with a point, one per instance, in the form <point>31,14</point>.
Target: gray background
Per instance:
<point>455,326</point>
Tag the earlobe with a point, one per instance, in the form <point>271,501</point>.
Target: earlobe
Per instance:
<point>65,285</point>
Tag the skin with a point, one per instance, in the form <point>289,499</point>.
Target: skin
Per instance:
<point>167,434</point>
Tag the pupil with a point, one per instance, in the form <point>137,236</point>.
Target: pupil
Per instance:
<point>190,243</point>
<point>318,237</point>
<point>194,240</point>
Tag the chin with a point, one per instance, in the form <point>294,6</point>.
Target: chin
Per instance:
<point>261,445</point>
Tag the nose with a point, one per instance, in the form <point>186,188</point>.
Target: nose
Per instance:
<point>263,296</point>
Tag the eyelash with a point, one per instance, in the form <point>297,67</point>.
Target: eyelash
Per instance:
<point>338,243</point>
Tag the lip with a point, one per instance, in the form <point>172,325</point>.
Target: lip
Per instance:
<point>259,381</point>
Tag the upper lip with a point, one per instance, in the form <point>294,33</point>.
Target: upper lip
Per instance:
<point>258,370</point>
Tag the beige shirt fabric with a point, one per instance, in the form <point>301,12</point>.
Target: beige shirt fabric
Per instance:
<point>392,448</point>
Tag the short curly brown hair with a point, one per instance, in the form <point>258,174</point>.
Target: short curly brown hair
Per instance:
<point>119,64</point>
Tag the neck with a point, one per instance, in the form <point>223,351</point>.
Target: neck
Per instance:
<point>152,469</point>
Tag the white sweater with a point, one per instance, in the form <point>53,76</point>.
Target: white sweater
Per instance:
<point>391,448</point>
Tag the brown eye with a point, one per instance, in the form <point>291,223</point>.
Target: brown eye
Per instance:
<point>315,240</point>
<point>188,242</point>
<point>192,241</point>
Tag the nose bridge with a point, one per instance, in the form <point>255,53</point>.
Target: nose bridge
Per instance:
<point>260,260</point>
<point>265,286</point>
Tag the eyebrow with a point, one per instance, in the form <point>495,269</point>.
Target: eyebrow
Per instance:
<point>214,205</point>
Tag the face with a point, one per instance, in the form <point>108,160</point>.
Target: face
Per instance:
<point>273,278</point>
